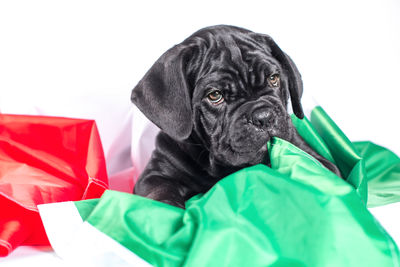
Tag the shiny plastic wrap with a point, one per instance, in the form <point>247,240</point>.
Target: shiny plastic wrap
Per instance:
<point>44,160</point>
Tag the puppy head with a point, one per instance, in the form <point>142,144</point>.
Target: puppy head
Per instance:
<point>229,87</point>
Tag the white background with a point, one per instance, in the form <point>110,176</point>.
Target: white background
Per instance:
<point>82,58</point>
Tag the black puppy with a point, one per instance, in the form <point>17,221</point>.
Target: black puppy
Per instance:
<point>218,97</point>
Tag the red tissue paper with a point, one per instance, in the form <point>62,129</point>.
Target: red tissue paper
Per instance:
<point>44,160</point>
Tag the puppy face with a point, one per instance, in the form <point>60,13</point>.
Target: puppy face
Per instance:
<point>240,100</point>
<point>225,87</point>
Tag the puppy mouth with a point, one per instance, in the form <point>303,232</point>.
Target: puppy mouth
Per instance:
<point>250,152</point>
<point>249,145</point>
<point>249,158</point>
<point>251,139</point>
<point>245,141</point>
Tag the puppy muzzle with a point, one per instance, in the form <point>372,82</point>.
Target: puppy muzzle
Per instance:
<point>262,118</point>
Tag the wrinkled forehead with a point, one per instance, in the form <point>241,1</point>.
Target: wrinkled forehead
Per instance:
<point>236,58</point>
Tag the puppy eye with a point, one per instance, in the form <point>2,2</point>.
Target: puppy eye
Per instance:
<point>215,97</point>
<point>274,80</point>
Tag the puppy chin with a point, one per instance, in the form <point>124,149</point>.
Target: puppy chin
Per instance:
<point>248,157</point>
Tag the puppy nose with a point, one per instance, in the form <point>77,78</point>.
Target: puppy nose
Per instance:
<point>261,117</point>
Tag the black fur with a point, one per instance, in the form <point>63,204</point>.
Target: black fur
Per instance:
<point>202,142</point>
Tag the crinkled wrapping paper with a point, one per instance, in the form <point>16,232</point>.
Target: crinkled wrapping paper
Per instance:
<point>296,213</point>
<point>44,160</point>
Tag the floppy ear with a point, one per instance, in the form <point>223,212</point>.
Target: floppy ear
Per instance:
<point>163,94</point>
<point>295,82</point>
